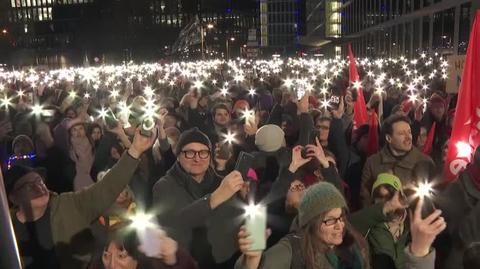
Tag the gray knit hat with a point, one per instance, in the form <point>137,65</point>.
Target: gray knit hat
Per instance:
<point>319,198</point>
<point>270,138</point>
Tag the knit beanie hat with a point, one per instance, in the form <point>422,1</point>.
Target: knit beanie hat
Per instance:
<point>240,105</point>
<point>318,199</point>
<point>22,138</point>
<point>269,138</point>
<point>193,135</point>
<point>389,179</point>
<point>18,171</point>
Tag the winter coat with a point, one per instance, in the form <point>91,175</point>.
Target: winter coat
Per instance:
<point>460,205</point>
<point>183,209</point>
<point>385,162</point>
<point>72,213</point>
<point>370,222</point>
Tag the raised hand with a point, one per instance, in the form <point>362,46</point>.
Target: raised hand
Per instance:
<point>316,151</point>
<point>230,185</point>
<point>338,113</point>
<point>425,230</point>
<point>252,258</point>
<point>141,143</point>
<point>297,159</point>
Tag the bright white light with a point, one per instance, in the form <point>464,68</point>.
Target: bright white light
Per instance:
<point>20,93</point>
<point>357,84</point>
<point>424,190</point>
<point>114,93</point>
<point>6,102</point>
<point>252,210</point>
<point>37,109</point>
<point>148,91</point>
<point>248,114</point>
<point>142,221</point>
<point>229,137</point>
<point>198,84</point>
<point>72,94</point>
<point>252,92</point>
<point>102,113</point>
<point>288,82</point>
<point>325,103</point>
<point>86,95</point>
<point>464,150</point>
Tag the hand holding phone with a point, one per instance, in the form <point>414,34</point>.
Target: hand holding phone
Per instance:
<point>151,240</point>
<point>244,162</point>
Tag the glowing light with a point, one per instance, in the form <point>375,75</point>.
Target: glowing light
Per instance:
<point>252,92</point>
<point>288,82</point>
<point>102,113</point>
<point>214,81</point>
<point>86,95</point>
<point>142,221</point>
<point>72,94</point>
<point>229,137</point>
<point>424,189</point>
<point>252,210</point>
<point>248,114</point>
<point>148,91</point>
<point>325,103</point>
<point>413,98</point>
<point>224,91</point>
<point>464,150</point>
<point>37,109</point>
<point>357,84</point>
<point>198,84</point>
<point>6,102</point>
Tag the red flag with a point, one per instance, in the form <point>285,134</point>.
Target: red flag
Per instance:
<point>360,116</point>
<point>466,124</point>
<point>372,139</point>
<point>427,148</point>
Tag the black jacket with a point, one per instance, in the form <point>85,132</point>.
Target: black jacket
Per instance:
<point>183,209</point>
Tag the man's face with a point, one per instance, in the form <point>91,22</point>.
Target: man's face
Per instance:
<point>30,191</point>
<point>438,111</point>
<point>221,117</point>
<point>195,159</point>
<point>401,138</point>
<point>78,131</point>
<point>96,134</point>
<point>324,127</point>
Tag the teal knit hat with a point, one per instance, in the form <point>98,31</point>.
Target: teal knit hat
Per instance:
<point>319,198</point>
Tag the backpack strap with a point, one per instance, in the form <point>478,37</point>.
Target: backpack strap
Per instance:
<point>298,261</point>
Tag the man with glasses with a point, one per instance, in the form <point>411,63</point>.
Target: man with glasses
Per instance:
<point>52,230</point>
<point>195,205</point>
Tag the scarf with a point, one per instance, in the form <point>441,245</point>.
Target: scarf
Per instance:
<point>355,261</point>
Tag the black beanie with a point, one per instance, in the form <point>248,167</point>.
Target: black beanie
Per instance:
<point>193,135</point>
<point>16,172</point>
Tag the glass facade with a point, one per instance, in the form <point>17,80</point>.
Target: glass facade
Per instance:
<point>285,22</point>
<point>406,27</point>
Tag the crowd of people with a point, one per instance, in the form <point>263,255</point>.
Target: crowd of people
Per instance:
<point>81,166</point>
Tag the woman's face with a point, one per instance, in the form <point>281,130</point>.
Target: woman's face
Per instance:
<point>170,121</point>
<point>422,137</point>
<point>78,131</point>
<point>115,257</point>
<point>332,228</point>
<point>96,134</point>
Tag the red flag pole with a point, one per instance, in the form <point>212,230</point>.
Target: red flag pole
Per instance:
<point>360,116</point>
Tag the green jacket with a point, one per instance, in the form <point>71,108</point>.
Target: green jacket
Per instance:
<point>370,222</point>
<point>72,213</point>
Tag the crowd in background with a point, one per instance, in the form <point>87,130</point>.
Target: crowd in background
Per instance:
<point>78,164</point>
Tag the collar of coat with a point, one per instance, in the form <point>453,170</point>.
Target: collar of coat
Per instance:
<point>197,190</point>
<point>408,161</point>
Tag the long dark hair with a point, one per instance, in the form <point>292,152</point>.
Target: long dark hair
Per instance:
<point>312,246</point>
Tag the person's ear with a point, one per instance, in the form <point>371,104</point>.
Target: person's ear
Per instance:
<point>388,138</point>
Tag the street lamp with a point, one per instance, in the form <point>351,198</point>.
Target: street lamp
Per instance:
<point>226,45</point>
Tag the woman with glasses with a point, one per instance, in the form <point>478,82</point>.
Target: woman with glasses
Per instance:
<point>324,238</point>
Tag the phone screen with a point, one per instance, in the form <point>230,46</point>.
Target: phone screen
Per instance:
<point>256,224</point>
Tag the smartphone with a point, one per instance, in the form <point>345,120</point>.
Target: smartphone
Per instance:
<point>147,126</point>
<point>151,240</point>
<point>244,162</point>
<point>110,120</point>
<point>256,224</point>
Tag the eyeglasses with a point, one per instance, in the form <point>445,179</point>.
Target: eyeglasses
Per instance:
<point>297,187</point>
<point>190,154</point>
<point>333,221</point>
